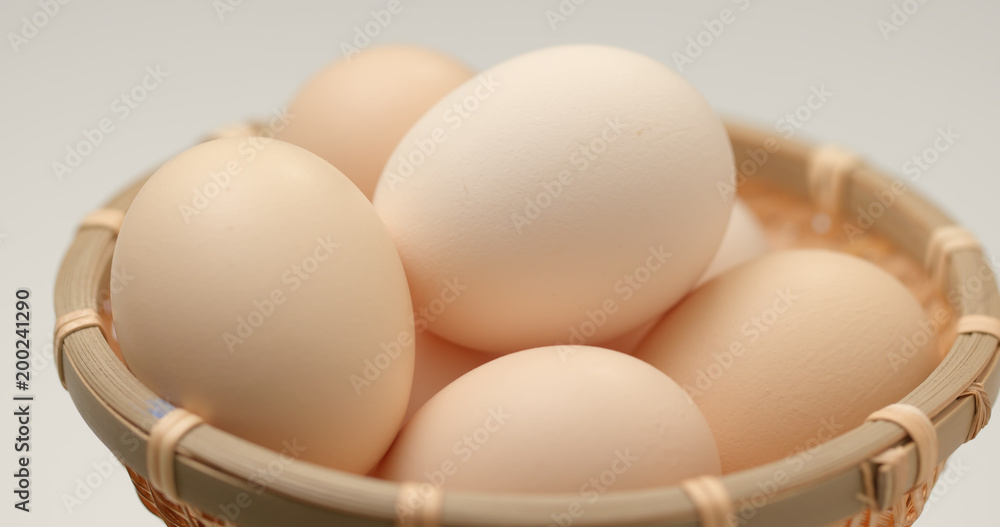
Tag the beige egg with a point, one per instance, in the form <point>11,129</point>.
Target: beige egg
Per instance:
<point>354,112</point>
<point>573,191</point>
<point>573,419</point>
<point>744,240</point>
<point>262,292</point>
<point>630,341</point>
<point>792,349</point>
<point>438,363</point>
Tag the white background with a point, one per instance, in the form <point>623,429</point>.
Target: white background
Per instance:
<point>940,69</point>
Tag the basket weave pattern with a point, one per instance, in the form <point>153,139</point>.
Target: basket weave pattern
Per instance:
<point>904,514</point>
<point>174,514</point>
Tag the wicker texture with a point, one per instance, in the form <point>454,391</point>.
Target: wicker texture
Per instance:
<point>173,513</point>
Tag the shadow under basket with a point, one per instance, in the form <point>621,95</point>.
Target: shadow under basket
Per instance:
<point>879,474</point>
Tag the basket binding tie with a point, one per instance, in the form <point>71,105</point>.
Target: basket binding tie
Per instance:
<point>415,508</point>
<point>984,406</point>
<point>711,500</point>
<point>110,219</point>
<point>884,483</point>
<point>829,168</point>
<point>68,324</point>
<point>161,449</point>
<point>984,409</point>
<point>942,244</point>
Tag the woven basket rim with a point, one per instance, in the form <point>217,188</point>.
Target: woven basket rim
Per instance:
<point>113,402</point>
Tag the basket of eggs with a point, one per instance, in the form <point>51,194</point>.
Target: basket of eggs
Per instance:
<point>558,292</point>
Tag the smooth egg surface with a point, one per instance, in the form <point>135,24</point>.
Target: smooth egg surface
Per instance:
<point>260,289</point>
<point>555,419</point>
<point>573,191</point>
<point>355,111</point>
<point>744,240</point>
<point>438,363</point>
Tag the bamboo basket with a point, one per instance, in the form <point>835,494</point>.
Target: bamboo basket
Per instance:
<point>804,195</point>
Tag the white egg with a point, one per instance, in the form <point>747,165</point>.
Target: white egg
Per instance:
<point>574,192</point>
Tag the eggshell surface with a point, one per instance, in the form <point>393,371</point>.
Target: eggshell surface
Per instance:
<point>744,240</point>
<point>630,341</point>
<point>555,419</point>
<point>264,294</point>
<point>355,111</point>
<point>574,190</point>
<point>792,349</point>
<point>438,363</point>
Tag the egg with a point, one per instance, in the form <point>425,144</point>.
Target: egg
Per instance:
<point>354,112</point>
<point>438,363</point>
<point>555,419</point>
<point>744,240</point>
<point>262,293</point>
<point>792,349</point>
<point>237,130</point>
<point>630,341</point>
<point>575,192</point>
